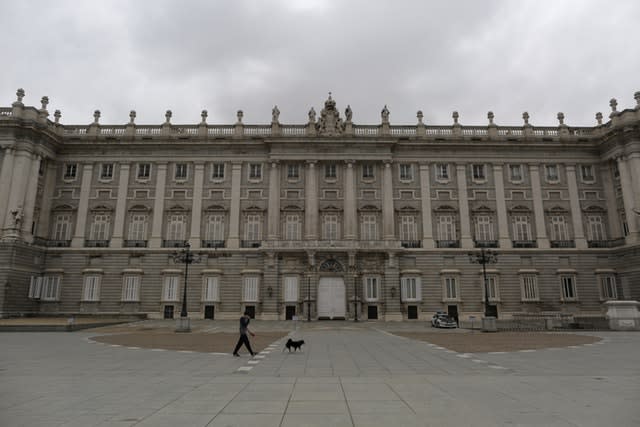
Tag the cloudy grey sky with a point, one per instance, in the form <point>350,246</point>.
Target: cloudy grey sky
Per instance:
<point>470,56</point>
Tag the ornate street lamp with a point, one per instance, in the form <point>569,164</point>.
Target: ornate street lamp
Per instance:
<point>355,272</point>
<point>485,257</point>
<point>186,257</point>
<point>310,270</point>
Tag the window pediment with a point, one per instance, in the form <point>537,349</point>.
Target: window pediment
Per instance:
<point>292,208</point>
<point>63,208</point>
<point>102,208</point>
<point>253,208</point>
<point>520,208</point>
<point>177,208</point>
<point>369,208</point>
<point>483,209</point>
<point>331,208</point>
<point>215,208</point>
<point>445,208</point>
<point>139,208</point>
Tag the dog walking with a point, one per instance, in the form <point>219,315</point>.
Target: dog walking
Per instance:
<point>244,339</point>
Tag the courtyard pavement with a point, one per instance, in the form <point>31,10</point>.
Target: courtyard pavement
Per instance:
<point>349,374</point>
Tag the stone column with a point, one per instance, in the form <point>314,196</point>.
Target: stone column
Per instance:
<point>234,212</point>
<point>501,207</point>
<point>388,220</point>
<point>627,198</point>
<point>17,190</point>
<point>42,229</point>
<point>83,206</point>
<point>466,241</point>
<point>196,206</point>
<point>350,198</point>
<point>538,210</point>
<point>5,181</point>
<point>121,206</point>
<point>425,197</point>
<point>633,160</point>
<point>273,223</point>
<point>311,202</point>
<point>609,195</point>
<point>30,198</point>
<point>576,211</point>
<point>158,206</point>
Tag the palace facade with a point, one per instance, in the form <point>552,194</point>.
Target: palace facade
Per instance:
<point>327,219</point>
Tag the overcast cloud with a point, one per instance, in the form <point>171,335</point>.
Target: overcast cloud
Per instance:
<point>471,56</point>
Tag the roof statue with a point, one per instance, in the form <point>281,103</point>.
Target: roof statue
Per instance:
<point>330,123</point>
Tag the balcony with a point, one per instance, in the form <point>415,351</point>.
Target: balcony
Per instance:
<point>563,244</point>
<point>58,243</point>
<point>524,243</point>
<point>135,243</point>
<point>485,243</point>
<point>213,244</point>
<point>411,244</point>
<point>448,243</point>
<point>174,243</point>
<point>96,243</point>
<point>250,243</point>
<point>606,243</point>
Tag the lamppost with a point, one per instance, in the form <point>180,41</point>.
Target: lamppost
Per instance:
<point>355,272</point>
<point>187,257</point>
<point>486,256</point>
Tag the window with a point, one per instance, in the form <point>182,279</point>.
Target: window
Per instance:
<point>446,228</point>
<point>442,172</point>
<point>408,228</point>
<point>551,173</point>
<point>529,284</point>
<point>367,171</point>
<point>144,171</point>
<point>170,291</point>
<point>138,227</point>
<point>568,284</point>
<point>62,227</point>
<point>293,171</point>
<point>253,230</point>
<point>106,171</point>
<point>330,171</point>
<point>292,228</point>
<point>595,230</point>
<point>478,172</point>
<point>410,288</point>
<point>130,288</point>
<point>450,288</point>
<point>586,173</point>
<point>70,171</point>
<point>521,228</point>
<point>369,227</point>
<point>291,289</point>
<point>484,228</point>
<point>217,171</point>
<point>330,227</point>
<point>211,291</point>
<point>181,171</point>
<point>515,173</point>
<point>100,227</point>
<point>91,288</point>
<point>608,287</point>
<point>251,288</point>
<point>176,227</point>
<point>255,171</point>
<point>35,287</point>
<point>50,288</point>
<point>559,230</point>
<point>492,283</point>
<point>371,288</point>
<point>215,227</point>
<point>406,172</point>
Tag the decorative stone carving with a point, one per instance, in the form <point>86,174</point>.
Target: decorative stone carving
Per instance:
<point>56,115</point>
<point>132,117</point>
<point>44,101</point>
<point>331,265</point>
<point>96,117</point>
<point>167,116</point>
<point>275,115</point>
<point>385,114</point>
<point>636,96</point>
<point>16,218</point>
<point>330,123</point>
<point>420,116</point>
<point>599,118</point>
<point>312,115</point>
<point>561,118</point>
<point>239,115</point>
<point>20,95</point>
<point>348,114</point>
<point>204,114</point>
<point>525,117</point>
<point>455,116</point>
<point>490,116</point>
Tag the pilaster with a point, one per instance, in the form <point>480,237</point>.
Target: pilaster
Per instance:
<point>538,209</point>
<point>501,208</point>
<point>234,212</point>
<point>273,211</point>
<point>576,211</point>
<point>17,190</point>
<point>627,198</point>
<point>311,202</point>
<point>158,206</point>
<point>350,198</point>
<point>121,205</point>
<point>425,197</point>
<point>83,206</point>
<point>196,206</point>
<point>30,198</point>
<point>466,241</point>
<point>613,219</point>
<point>5,181</point>
<point>388,220</point>
<point>42,229</point>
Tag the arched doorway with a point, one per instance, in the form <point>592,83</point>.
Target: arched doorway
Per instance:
<point>331,292</point>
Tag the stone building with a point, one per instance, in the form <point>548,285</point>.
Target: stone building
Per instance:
<point>329,219</point>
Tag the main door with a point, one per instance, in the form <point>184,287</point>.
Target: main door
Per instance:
<point>331,298</point>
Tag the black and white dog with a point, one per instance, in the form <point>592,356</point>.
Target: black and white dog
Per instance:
<point>292,344</point>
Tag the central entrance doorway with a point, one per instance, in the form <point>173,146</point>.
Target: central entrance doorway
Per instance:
<point>331,298</point>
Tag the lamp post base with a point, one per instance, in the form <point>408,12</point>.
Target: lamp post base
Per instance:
<point>489,324</point>
<point>183,324</point>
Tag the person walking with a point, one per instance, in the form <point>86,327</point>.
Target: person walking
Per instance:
<point>244,330</point>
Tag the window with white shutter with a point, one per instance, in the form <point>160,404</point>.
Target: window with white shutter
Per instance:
<point>138,227</point>
<point>62,227</point>
<point>91,290</point>
<point>484,228</point>
<point>251,289</point>
<point>35,287</point>
<point>410,288</point>
<point>215,227</point>
<point>170,291</point>
<point>446,227</point>
<point>130,288</point>
<point>50,288</point>
<point>371,288</point>
<point>529,283</point>
<point>211,292</point>
<point>176,227</point>
<point>369,227</point>
<point>408,228</point>
<point>291,288</point>
<point>450,288</point>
